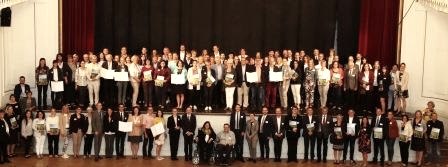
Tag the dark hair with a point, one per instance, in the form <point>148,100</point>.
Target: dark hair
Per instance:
<point>157,113</point>
<point>22,77</point>
<point>362,123</point>
<point>133,108</point>
<point>208,122</point>
<point>43,114</point>
<point>31,116</point>
<point>404,115</point>
<point>2,111</point>
<point>45,64</point>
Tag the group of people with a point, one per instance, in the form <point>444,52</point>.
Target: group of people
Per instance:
<point>279,79</point>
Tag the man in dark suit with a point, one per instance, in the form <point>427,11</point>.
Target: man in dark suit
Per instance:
<point>188,128</point>
<point>279,133</point>
<point>218,92</point>
<point>242,84</point>
<point>310,127</point>
<point>97,128</point>
<point>121,136</point>
<point>238,126</point>
<point>264,133</point>
<point>174,124</point>
<point>323,132</point>
<point>4,136</point>
<point>21,89</point>
<point>350,122</point>
<point>379,124</point>
<point>351,84</point>
<point>108,84</point>
<point>293,125</point>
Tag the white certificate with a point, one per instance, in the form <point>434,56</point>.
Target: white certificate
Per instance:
<point>124,126</point>
<point>275,76</point>
<point>229,76</point>
<point>160,78</point>
<point>157,129</point>
<point>311,125</point>
<point>178,79</point>
<point>107,74</point>
<point>121,76</point>
<point>57,86</point>
<point>378,133</point>
<point>434,133</point>
<point>252,77</point>
<point>147,75</point>
<point>351,128</point>
<point>211,78</point>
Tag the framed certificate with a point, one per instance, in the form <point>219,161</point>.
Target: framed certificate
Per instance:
<point>434,133</point>
<point>378,133</point>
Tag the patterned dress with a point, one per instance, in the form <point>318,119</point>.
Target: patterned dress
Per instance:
<point>364,140</point>
<point>310,85</point>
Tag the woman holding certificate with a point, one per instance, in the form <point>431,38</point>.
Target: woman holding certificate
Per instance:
<point>178,84</point>
<point>336,85</point>
<point>52,125</point>
<point>401,86</point>
<point>42,84</point>
<point>78,127</point>
<point>323,80</point>
<point>365,81</point>
<point>81,84</point>
<point>208,82</point>
<point>148,82</point>
<point>122,85</point>
<point>135,136</point>
<point>12,119</point>
<point>337,137</point>
<point>310,83</point>
<point>159,140</point>
<point>162,81</point>
<point>296,82</point>
<point>134,73</point>
<point>194,84</point>
<point>229,84</point>
<point>405,139</point>
<point>418,137</point>
<point>39,133</point>
<point>205,138</point>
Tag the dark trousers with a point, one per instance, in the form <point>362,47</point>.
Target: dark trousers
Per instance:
<point>148,88</point>
<point>390,148</point>
<point>69,93</point>
<point>109,92</point>
<point>188,146</point>
<point>256,97</point>
<point>366,103</point>
<point>109,140</point>
<point>3,153</point>
<point>335,95</point>
<point>97,140</point>
<point>292,147</point>
<point>174,142</point>
<point>278,142</point>
<point>120,137</point>
<point>161,95</point>
<point>350,96</point>
<point>56,99</point>
<point>271,95</point>
<point>205,151</point>
<point>208,95</point>
<point>264,145</point>
<point>404,152</point>
<point>53,144</point>
<point>219,95</point>
<point>88,140</point>
<point>148,143</point>
<point>83,95</point>
<point>224,150</point>
<point>350,141</point>
<point>322,148</point>
<point>194,96</point>
<point>378,145</point>
<point>42,96</point>
<point>239,143</point>
<point>28,142</point>
<point>310,141</point>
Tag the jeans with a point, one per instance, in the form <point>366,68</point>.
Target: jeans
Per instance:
<point>82,95</point>
<point>257,96</point>
<point>161,95</point>
<point>208,95</point>
<point>42,96</point>
<point>28,142</point>
<point>433,152</point>
<point>391,98</point>
<point>404,151</point>
<point>390,148</point>
<point>148,88</point>
<point>122,87</point>
<point>148,143</point>
<point>350,141</point>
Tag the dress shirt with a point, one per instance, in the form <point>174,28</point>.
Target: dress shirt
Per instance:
<point>226,138</point>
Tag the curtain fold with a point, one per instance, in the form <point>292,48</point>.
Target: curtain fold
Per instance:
<point>78,22</point>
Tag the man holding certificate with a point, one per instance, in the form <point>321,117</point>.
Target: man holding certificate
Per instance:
<point>108,83</point>
<point>324,131</point>
<point>435,132</point>
<point>293,133</point>
<point>380,130</point>
<point>310,127</point>
<point>351,126</point>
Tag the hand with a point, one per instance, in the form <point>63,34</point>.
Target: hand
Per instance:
<point>76,87</point>
<point>310,133</point>
<point>177,128</point>
<point>242,133</point>
<point>96,132</point>
<point>294,129</point>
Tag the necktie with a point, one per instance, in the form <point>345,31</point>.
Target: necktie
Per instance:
<point>188,116</point>
<point>121,115</point>
<point>324,120</point>
<point>377,120</point>
<point>236,120</point>
<point>262,123</point>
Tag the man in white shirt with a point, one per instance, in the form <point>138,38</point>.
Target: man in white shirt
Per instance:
<point>352,124</point>
<point>93,76</point>
<point>226,140</point>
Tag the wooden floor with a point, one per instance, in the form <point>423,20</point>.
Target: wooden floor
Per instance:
<point>58,162</point>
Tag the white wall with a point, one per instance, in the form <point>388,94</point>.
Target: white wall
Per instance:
<point>424,39</point>
<point>33,34</point>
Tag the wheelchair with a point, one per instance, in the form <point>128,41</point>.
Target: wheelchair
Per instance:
<point>221,161</point>
<point>196,156</point>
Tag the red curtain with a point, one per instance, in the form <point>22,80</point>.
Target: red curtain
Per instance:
<point>378,30</point>
<point>78,26</point>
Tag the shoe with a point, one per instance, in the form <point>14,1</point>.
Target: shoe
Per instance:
<point>65,156</point>
<point>325,161</point>
<point>27,156</point>
<point>242,160</point>
<point>160,158</point>
<point>318,160</point>
<point>352,162</point>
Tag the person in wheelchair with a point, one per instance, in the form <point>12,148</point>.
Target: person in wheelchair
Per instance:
<point>205,140</point>
<point>225,142</point>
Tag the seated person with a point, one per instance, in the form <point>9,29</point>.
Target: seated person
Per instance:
<point>205,138</point>
<point>226,140</point>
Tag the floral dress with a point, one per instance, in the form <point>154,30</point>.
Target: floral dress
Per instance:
<point>364,140</point>
<point>310,85</point>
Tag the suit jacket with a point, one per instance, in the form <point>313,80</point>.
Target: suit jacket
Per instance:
<point>239,74</point>
<point>76,124</point>
<point>371,78</point>
<point>267,125</point>
<point>252,131</point>
<point>97,121</point>
<point>241,123</point>
<point>205,74</point>
<point>435,124</point>
<point>188,125</point>
<point>215,68</point>
<point>279,128</point>
<point>355,121</point>
<point>171,125</point>
<point>351,81</point>
<point>114,65</point>
<point>112,125</point>
<point>306,121</point>
<point>289,120</point>
<point>18,90</point>
<point>125,116</point>
<point>4,136</point>
<point>382,124</point>
<point>60,75</point>
<point>325,128</point>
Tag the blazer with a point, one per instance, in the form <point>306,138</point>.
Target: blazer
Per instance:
<point>383,123</point>
<point>251,130</point>
<point>114,65</point>
<point>407,130</point>
<point>351,81</point>
<point>305,122</point>
<point>267,126</point>
<point>361,81</point>
<point>166,73</point>
<point>404,80</point>
<point>62,124</point>
<point>125,116</point>
<point>4,136</point>
<point>435,124</point>
<point>355,121</point>
<point>289,122</point>
<point>205,75</point>
<point>201,137</point>
<point>112,125</point>
<point>188,125</point>
<point>171,125</point>
<point>299,79</point>
<point>78,123</point>
<point>97,121</point>
<point>18,90</point>
<point>279,128</point>
<point>325,129</point>
<point>60,74</point>
<point>392,129</point>
<point>239,74</point>
<point>241,121</point>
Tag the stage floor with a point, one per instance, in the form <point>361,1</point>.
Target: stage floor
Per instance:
<point>71,162</point>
